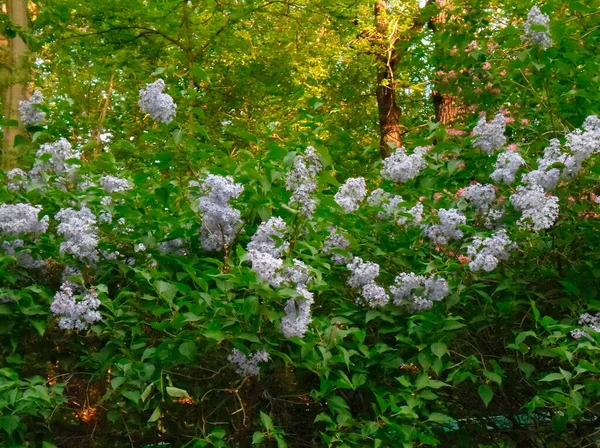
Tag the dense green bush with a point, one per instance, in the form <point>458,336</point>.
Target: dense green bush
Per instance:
<point>501,359</point>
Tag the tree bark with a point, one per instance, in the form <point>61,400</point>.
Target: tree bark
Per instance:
<point>387,57</point>
<point>14,82</point>
<point>445,105</point>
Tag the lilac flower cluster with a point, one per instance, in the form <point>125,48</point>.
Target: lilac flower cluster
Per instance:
<point>536,19</point>
<point>401,167</point>
<point>487,253</point>
<point>506,166</point>
<point>75,314</point>
<point>176,246</point>
<point>265,249</point>
<point>52,158</point>
<point>490,136</point>
<point>16,219</point>
<point>23,256</point>
<point>363,280</point>
<point>80,233</point>
<point>114,184</point>
<point>481,196</point>
<point>447,229</point>
<point>220,221</point>
<point>587,320</point>
<point>302,181</point>
<point>31,115</point>
<point>417,292</point>
<point>391,208</point>
<point>337,242</point>
<point>158,105</point>
<point>247,365</point>
<point>351,194</point>
<point>540,210</point>
<point>297,311</point>
<point>17,179</point>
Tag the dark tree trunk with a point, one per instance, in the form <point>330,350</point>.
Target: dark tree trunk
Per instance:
<point>445,105</point>
<point>387,57</point>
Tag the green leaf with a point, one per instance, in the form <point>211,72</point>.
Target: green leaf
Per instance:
<point>553,377</point>
<point>436,417</point>
<point>9,423</point>
<point>188,349</point>
<point>486,393</point>
<point>177,393</point>
<point>258,437</point>
<point>166,290</point>
<point>155,415</point>
<point>493,376</point>
<point>439,349</point>
<point>266,421</point>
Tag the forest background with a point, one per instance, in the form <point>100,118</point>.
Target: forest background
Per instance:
<point>508,358</point>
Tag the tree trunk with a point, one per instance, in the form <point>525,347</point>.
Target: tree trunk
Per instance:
<point>14,82</point>
<point>389,113</point>
<point>445,105</point>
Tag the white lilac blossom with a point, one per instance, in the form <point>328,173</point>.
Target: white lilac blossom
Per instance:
<point>22,256</point>
<point>374,295</point>
<point>86,183</point>
<point>417,292</point>
<point>17,179</point>
<point>31,115</point>
<point>493,217</point>
<point>220,221</point>
<point>175,246</point>
<point>158,105</point>
<point>490,136</point>
<point>302,181</point>
<point>141,247</point>
<point>80,233</point>
<point>336,242</point>
<point>587,320</point>
<point>351,194</point>
<point>506,166</point>
<point>540,210</point>
<point>247,365</point>
<point>16,219</point>
<point>71,271</point>
<point>547,174</point>
<point>400,167</point>
<point>389,202</point>
<point>363,279</point>
<point>537,28</point>
<point>557,164</point>
<point>52,157</point>
<point>582,144</point>
<point>268,267</point>
<point>486,254</point>
<point>269,237</point>
<point>297,317</point>
<point>297,311</point>
<point>481,196</point>
<point>114,184</point>
<point>75,314</point>
<point>447,229</point>
<point>362,272</point>
<point>391,208</point>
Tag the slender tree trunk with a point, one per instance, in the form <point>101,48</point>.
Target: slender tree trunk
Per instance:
<point>387,58</point>
<point>14,80</point>
<point>446,105</point>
